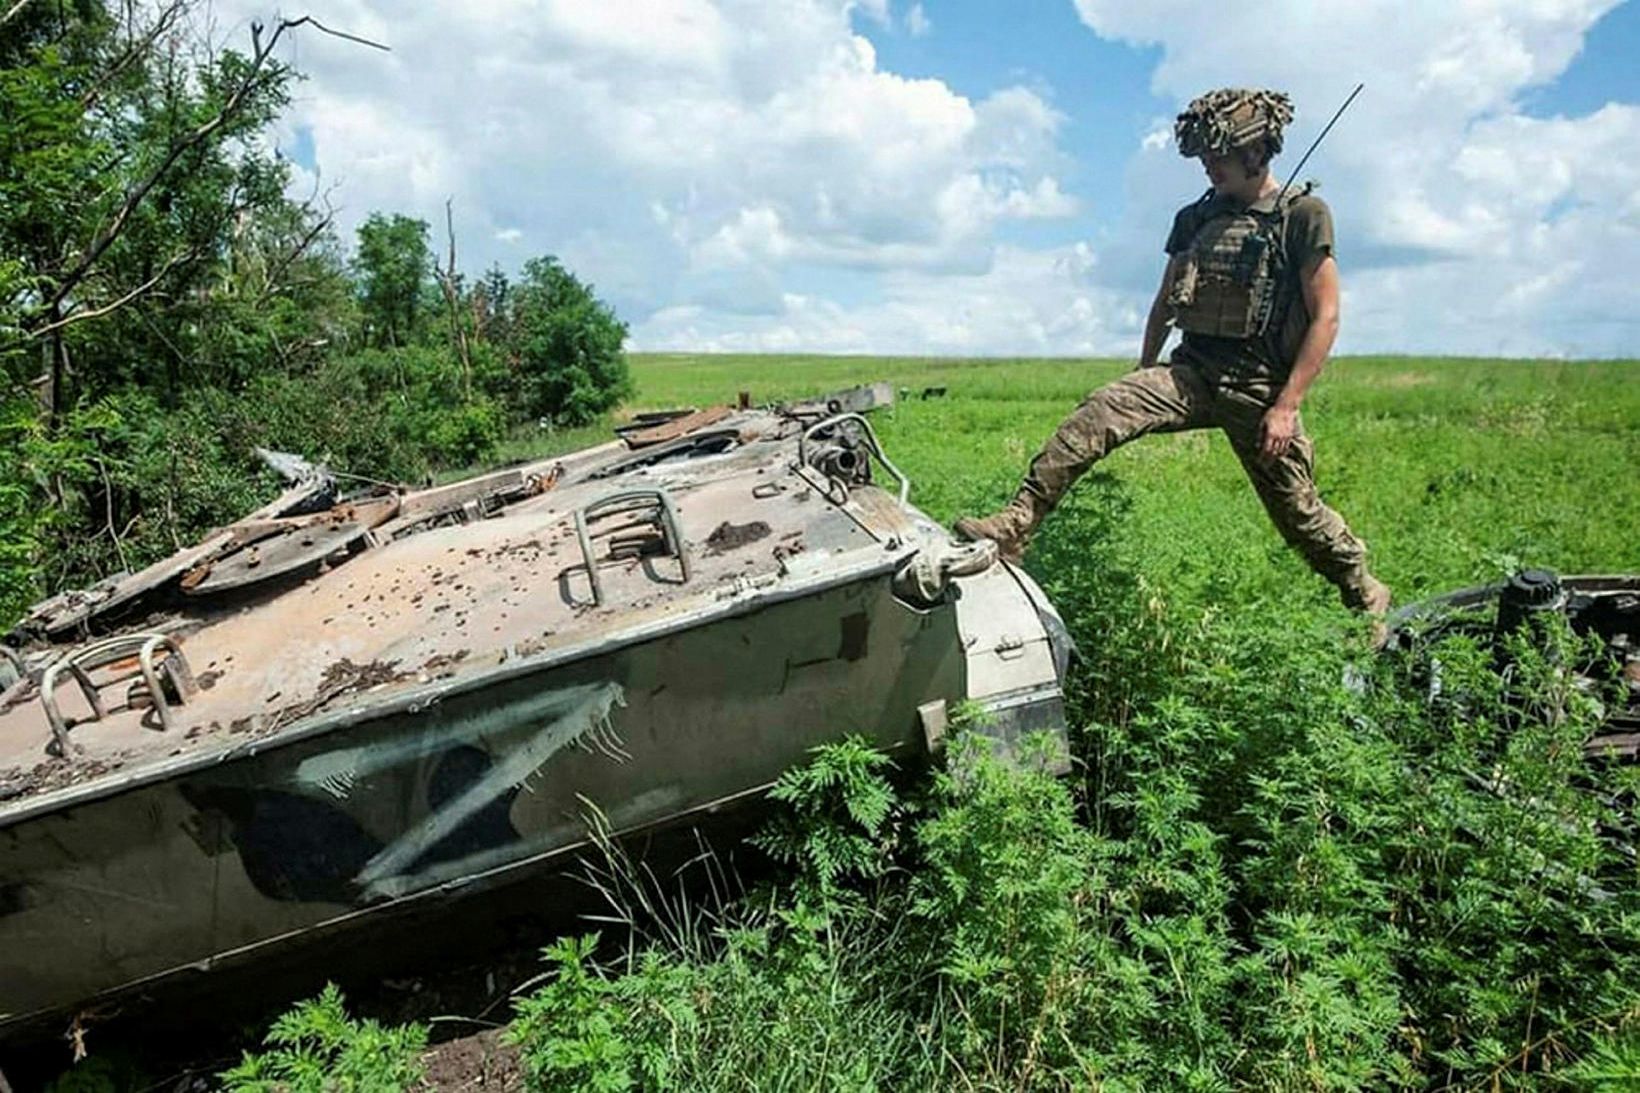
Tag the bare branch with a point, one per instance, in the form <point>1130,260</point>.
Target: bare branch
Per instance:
<point>133,51</point>
<point>108,513</point>
<point>277,271</point>
<point>114,305</point>
<point>13,11</point>
<point>447,282</point>
<point>311,21</point>
<point>253,79</point>
<point>156,331</point>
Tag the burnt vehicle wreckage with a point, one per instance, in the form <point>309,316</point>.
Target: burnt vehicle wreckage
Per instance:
<point>1587,630</point>
<point>340,707</point>
<point>1522,608</point>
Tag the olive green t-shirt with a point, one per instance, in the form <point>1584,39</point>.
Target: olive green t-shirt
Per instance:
<point>1259,365</point>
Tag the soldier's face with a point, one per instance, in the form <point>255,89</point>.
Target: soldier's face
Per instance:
<point>1228,173</point>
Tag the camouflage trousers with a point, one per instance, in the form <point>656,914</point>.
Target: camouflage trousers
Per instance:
<point>1170,399</point>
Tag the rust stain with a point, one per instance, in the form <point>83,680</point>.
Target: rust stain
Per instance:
<point>680,427</point>
<point>726,536</point>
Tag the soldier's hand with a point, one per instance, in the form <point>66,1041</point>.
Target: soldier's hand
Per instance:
<point>1277,430</point>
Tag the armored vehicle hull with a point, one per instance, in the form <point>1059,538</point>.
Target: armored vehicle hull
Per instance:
<point>1603,606</point>
<point>427,694</point>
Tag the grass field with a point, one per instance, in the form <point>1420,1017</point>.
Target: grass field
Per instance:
<point>1260,876</point>
<point>1263,886</point>
<point>1450,469</point>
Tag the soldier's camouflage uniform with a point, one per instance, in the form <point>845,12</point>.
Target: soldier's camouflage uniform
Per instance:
<point>1239,346</point>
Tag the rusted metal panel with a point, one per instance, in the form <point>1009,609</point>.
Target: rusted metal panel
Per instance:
<point>678,427</point>
<point>61,614</point>
<point>855,400</point>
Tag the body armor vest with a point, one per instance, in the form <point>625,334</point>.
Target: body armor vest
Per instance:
<point>1227,285</point>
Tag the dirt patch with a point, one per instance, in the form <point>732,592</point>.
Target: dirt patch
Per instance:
<point>480,1061</point>
<point>53,774</point>
<point>1409,379</point>
<point>444,660</point>
<point>726,536</point>
<point>341,679</point>
<point>514,548</point>
<point>344,677</point>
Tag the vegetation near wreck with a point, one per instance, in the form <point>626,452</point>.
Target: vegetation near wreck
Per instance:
<point>1283,882</point>
<point>317,1047</point>
<point>1279,862</point>
<point>1273,879</point>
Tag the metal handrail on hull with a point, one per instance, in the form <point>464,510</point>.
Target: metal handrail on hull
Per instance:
<point>628,500</point>
<point>81,661</point>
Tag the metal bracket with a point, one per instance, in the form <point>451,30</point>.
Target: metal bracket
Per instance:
<point>872,444</point>
<point>935,720</point>
<point>13,658</point>
<point>664,515</point>
<point>80,662</point>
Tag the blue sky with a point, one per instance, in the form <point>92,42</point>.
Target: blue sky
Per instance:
<point>1607,69</point>
<point>953,176</point>
<point>1102,87</point>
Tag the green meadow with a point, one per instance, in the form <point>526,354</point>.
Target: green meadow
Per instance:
<point>1450,469</point>
<point>1279,862</point>
<point>1259,876</point>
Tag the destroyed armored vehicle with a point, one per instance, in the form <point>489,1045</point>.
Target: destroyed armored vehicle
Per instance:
<point>343,705</point>
<point>1603,607</point>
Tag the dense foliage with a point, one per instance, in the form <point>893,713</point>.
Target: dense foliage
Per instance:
<point>318,1048</point>
<point>1281,862</point>
<point>166,304</point>
<point>1283,883</point>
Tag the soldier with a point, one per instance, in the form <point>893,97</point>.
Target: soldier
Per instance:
<point>1252,283</point>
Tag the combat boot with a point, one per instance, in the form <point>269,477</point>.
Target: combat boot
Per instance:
<point>1367,594</point>
<point>1010,528</point>
<point>1377,598</point>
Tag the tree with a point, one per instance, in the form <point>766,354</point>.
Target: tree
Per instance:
<point>392,266</point>
<point>566,346</point>
<point>490,300</point>
<point>148,256</point>
<point>129,168</point>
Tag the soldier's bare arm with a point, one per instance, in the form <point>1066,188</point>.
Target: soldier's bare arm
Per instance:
<point>1156,323</point>
<point>1319,281</point>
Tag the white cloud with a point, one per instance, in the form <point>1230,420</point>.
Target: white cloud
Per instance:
<point>1044,301</point>
<point>876,10</point>
<point>699,159</point>
<point>666,148</point>
<point>1464,224</point>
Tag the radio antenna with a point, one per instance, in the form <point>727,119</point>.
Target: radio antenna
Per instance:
<point>1317,142</point>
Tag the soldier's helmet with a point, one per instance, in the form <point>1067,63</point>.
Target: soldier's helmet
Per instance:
<point>1230,118</point>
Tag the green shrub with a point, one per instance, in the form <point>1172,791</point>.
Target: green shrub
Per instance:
<point>25,476</point>
<point>1005,880</point>
<point>1512,884</point>
<point>837,821</point>
<point>792,1004</point>
<point>392,414</point>
<point>317,1048</point>
<point>566,347</point>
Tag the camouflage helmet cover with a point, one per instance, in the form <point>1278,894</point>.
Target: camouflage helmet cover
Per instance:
<point>1222,121</point>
